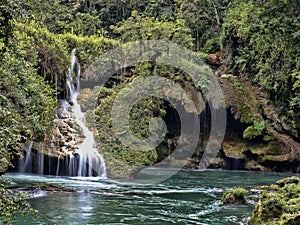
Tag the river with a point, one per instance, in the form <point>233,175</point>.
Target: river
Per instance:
<point>189,197</point>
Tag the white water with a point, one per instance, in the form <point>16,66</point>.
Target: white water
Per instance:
<point>83,160</point>
<point>91,161</point>
<point>27,160</point>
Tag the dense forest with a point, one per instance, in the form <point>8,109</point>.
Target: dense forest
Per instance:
<point>252,40</point>
<point>252,47</point>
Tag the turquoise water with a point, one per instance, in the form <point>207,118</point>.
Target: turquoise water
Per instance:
<point>189,197</point>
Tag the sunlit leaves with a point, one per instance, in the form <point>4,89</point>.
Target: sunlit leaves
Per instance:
<point>140,27</point>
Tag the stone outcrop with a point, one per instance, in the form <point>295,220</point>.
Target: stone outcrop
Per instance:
<point>66,136</point>
<point>255,138</point>
<point>235,196</point>
<point>54,155</point>
<point>278,204</point>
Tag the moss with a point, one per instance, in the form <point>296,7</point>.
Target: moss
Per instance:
<point>273,148</point>
<point>269,137</point>
<point>240,98</point>
<point>238,85</point>
<point>235,196</point>
<point>254,130</point>
<point>246,116</point>
<point>280,205</point>
<point>286,181</point>
<point>234,149</point>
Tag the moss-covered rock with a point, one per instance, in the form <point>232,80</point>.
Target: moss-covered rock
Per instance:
<point>122,161</point>
<point>235,196</point>
<point>250,137</point>
<point>279,204</point>
<point>48,187</point>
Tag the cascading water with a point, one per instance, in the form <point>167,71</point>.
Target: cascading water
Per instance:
<point>91,162</point>
<point>72,150</point>
<point>27,161</point>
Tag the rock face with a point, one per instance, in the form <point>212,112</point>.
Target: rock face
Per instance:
<point>256,138</point>
<point>57,155</point>
<point>67,135</point>
<point>279,204</point>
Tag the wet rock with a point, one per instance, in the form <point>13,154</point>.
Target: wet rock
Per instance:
<point>68,136</point>
<point>235,196</point>
<point>48,187</point>
<point>61,124</point>
<point>253,165</point>
<point>71,123</point>
<point>63,149</point>
<point>62,142</point>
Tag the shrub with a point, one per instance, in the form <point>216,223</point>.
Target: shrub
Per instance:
<point>12,202</point>
<point>254,130</point>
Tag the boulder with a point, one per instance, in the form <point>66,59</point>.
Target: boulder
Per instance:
<point>279,204</point>
<point>235,196</point>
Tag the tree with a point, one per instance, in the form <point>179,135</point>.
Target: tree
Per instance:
<point>141,27</point>
<point>204,18</point>
<point>261,40</point>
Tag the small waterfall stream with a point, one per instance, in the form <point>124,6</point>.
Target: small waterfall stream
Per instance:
<point>91,162</point>
<point>72,150</point>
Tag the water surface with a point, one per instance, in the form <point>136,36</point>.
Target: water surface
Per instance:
<point>189,197</point>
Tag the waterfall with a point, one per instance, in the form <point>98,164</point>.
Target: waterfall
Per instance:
<point>41,159</point>
<point>27,162</point>
<point>91,162</point>
<point>73,150</point>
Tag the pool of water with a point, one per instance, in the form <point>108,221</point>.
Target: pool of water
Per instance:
<point>188,197</point>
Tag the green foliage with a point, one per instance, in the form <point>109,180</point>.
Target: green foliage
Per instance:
<point>9,10</point>
<point>254,130</point>
<point>84,24</point>
<point>53,14</point>
<point>123,161</point>
<point>204,18</point>
<point>102,92</point>
<point>260,39</point>
<point>13,202</point>
<point>42,49</point>
<point>9,136</point>
<point>140,27</point>
<point>28,97</point>
<point>27,102</point>
<point>89,48</point>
